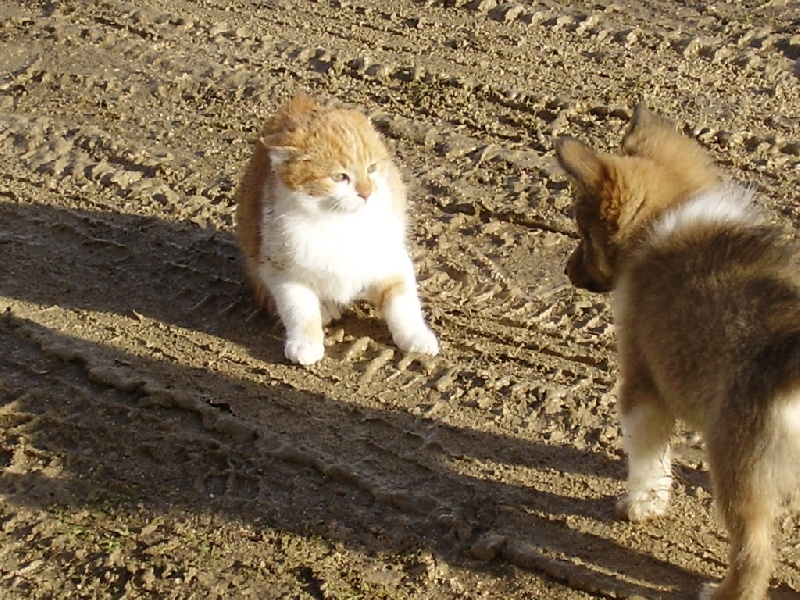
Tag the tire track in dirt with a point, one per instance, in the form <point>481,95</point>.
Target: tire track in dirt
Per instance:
<point>505,448</point>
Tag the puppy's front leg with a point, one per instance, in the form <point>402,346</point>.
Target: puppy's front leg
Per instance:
<point>646,429</point>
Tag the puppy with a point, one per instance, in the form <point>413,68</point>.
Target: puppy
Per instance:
<point>707,310</point>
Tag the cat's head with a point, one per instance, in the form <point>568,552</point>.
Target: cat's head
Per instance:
<point>331,160</point>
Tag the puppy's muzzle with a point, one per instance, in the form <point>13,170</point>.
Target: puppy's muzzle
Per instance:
<point>580,276</point>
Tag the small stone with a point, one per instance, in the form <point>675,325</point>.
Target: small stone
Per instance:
<point>488,546</point>
<point>482,5</point>
<point>506,12</point>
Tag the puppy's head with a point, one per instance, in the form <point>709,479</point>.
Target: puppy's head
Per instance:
<point>615,197</point>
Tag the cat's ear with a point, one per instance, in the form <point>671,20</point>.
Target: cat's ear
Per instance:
<point>581,162</point>
<point>279,150</point>
<point>298,111</point>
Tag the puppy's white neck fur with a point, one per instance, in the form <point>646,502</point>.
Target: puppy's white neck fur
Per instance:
<point>726,204</point>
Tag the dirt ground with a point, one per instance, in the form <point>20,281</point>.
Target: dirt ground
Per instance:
<point>156,444</point>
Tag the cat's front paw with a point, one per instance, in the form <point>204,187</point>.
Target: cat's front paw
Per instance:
<point>643,504</point>
<point>304,351</point>
<point>420,340</point>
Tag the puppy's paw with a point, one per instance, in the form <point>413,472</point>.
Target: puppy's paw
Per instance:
<point>643,505</point>
<point>304,351</point>
<point>418,340</point>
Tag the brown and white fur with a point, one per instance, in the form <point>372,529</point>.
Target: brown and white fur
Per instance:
<point>707,310</point>
<point>321,219</point>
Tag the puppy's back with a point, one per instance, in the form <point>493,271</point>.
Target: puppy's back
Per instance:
<point>711,309</point>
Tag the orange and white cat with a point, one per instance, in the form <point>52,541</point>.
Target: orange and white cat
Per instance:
<point>321,219</point>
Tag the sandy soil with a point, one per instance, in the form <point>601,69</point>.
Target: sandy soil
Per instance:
<point>154,442</point>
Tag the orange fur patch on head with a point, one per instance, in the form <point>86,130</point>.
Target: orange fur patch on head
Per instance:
<point>320,143</point>
<point>301,107</point>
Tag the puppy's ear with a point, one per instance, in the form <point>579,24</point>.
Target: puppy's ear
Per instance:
<point>642,129</point>
<point>580,161</point>
<point>641,117</point>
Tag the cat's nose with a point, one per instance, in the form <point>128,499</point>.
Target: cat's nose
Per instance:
<point>364,192</point>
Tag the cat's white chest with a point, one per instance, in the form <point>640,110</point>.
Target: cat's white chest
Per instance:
<point>338,255</point>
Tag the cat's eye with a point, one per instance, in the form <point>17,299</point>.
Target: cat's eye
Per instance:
<point>372,168</point>
<point>339,177</point>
